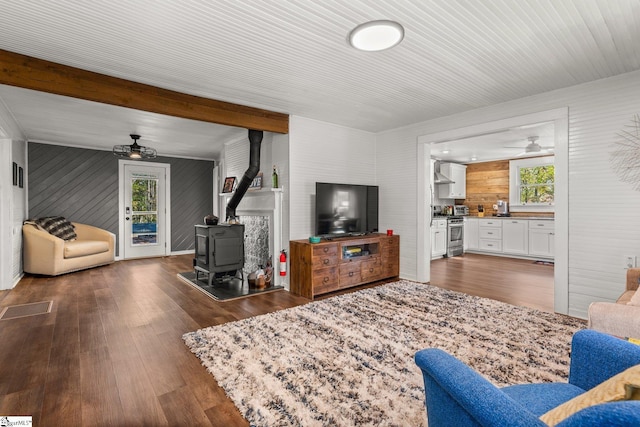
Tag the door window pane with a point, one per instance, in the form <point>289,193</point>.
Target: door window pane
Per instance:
<point>144,218</point>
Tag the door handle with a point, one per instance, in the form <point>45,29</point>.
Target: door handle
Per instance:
<point>126,218</point>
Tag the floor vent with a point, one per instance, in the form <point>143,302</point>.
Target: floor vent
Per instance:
<point>26,310</point>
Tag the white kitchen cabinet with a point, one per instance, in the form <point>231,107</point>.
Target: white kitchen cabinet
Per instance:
<point>515,236</point>
<point>542,238</point>
<point>438,238</point>
<point>471,234</point>
<point>458,174</point>
<point>490,234</point>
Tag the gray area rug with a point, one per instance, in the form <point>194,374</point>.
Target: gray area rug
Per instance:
<point>348,360</point>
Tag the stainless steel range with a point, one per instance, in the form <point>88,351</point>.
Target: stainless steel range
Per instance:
<point>455,236</point>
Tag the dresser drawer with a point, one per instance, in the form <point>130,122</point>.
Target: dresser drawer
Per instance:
<point>325,280</point>
<point>350,274</point>
<point>371,271</point>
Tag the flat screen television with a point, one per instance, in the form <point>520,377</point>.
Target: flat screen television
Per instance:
<point>346,209</point>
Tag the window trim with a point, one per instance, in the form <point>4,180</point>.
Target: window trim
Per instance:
<point>514,184</point>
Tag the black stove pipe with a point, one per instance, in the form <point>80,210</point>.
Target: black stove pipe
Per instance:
<point>255,140</point>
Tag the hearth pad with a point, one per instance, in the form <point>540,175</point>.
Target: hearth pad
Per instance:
<point>225,290</point>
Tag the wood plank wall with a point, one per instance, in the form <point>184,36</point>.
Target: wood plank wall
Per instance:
<point>487,183</point>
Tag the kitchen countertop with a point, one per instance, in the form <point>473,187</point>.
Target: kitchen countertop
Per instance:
<point>513,217</point>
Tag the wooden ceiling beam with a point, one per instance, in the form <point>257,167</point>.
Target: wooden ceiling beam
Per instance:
<point>45,76</point>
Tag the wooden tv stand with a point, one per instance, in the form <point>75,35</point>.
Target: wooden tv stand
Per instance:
<point>339,263</point>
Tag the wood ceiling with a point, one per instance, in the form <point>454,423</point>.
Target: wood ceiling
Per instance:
<point>292,56</point>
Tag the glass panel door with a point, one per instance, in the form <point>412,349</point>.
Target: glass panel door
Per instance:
<point>144,214</point>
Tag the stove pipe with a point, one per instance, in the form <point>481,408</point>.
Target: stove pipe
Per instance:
<point>255,140</point>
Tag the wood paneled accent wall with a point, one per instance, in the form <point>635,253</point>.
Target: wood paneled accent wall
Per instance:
<point>82,185</point>
<point>487,183</point>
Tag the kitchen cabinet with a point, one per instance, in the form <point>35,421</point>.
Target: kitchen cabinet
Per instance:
<point>490,234</point>
<point>471,234</point>
<point>515,236</point>
<point>458,174</point>
<point>438,238</point>
<point>542,238</point>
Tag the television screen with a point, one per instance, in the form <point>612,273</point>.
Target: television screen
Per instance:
<point>346,209</point>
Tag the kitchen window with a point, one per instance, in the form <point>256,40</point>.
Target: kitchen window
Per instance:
<point>532,184</point>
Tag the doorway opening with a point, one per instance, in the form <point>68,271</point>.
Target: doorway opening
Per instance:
<point>559,117</point>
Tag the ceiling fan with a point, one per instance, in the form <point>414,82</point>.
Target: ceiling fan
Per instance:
<point>533,147</point>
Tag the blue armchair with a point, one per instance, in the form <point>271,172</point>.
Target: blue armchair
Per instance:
<point>456,395</point>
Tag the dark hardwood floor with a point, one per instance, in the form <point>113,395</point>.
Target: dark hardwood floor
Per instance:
<point>111,352</point>
<point>511,280</point>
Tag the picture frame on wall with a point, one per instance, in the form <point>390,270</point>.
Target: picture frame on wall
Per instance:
<point>15,173</point>
<point>20,177</point>
<point>256,184</point>
<point>229,184</point>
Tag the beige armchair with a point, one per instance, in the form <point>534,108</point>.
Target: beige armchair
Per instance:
<point>618,318</point>
<point>47,254</point>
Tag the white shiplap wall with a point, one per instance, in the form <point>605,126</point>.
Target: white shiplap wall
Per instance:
<point>14,201</point>
<point>18,208</point>
<point>324,152</point>
<point>604,224</point>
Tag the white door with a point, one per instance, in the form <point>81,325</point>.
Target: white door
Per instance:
<point>143,210</point>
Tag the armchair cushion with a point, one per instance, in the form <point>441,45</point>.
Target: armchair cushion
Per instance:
<point>78,248</point>
<point>635,298</point>
<point>611,390</point>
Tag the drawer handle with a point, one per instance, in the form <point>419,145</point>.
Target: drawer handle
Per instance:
<point>325,249</point>
<point>325,279</point>
<point>371,270</point>
<point>489,232</point>
<point>325,261</point>
<point>351,274</point>
<point>490,245</point>
<point>514,222</point>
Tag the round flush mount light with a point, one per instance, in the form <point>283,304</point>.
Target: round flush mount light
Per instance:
<point>374,36</point>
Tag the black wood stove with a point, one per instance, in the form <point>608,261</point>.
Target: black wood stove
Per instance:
<point>219,250</point>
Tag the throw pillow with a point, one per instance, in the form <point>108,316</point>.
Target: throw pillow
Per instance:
<point>58,226</point>
<point>635,299</point>
<point>615,388</point>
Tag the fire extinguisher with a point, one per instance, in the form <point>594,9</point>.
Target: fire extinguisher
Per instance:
<point>283,263</point>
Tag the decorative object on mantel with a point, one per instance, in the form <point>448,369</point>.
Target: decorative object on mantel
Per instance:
<point>256,184</point>
<point>15,173</point>
<point>229,184</point>
<point>322,362</point>
<point>274,178</point>
<point>134,151</point>
<point>625,159</point>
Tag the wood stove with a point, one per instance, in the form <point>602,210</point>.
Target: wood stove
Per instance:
<point>219,249</point>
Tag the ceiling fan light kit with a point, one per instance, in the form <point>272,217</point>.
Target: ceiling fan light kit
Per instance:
<point>134,151</point>
<point>534,147</point>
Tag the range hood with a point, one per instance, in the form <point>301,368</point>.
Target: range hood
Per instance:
<point>439,178</point>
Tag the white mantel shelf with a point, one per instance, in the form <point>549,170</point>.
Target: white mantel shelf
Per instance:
<point>265,202</point>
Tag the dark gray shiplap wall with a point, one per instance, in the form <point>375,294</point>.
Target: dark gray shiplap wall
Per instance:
<point>82,185</point>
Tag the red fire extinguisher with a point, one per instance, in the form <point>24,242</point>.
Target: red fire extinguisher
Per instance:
<point>283,263</point>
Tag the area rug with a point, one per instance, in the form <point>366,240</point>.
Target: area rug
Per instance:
<point>348,360</point>
<point>224,290</point>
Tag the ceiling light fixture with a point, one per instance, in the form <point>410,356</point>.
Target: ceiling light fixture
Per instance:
<point>374,36</point>
<point>134,151</point>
